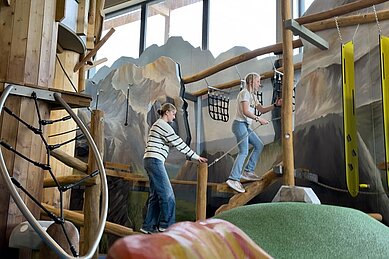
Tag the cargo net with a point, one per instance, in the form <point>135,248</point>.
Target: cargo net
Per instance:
<point>259,96</point>
<point>218,103</point>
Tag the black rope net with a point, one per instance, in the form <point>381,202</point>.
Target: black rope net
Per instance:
<point>218,104</point>
<point>259,96</point>
<point>58,219</point>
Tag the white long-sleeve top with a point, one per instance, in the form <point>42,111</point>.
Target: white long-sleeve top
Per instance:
<point>161,136</point>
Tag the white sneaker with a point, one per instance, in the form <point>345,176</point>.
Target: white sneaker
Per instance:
<point>236,185</point>
<point>161,229</point>
<point>144,231</point>
<point>249,176</point>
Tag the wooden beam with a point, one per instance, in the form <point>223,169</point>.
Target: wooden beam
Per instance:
<point>90,35</point>
<point>92,194</point>
<point>68,179</point>
<point>201,195</point>
<point>99,20</point>
<point>265,75</point>
<point>161,8</point>
<point>287,97</point>
<point>341,10</point>
<point>252,190</point>
<point>237,60</point>
<point>82,18</point>
<point>117,166</point>
<point>348,21</point>
<point>78,219</point>
<point>93,51</point>
<point>75,100</point>
<point>70,160</point>
<point>96,63</point>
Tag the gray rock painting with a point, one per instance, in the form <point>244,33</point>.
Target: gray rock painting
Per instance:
<point>318,133</point>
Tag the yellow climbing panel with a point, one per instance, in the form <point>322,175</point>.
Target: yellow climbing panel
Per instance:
<point>384,58</point>
<point>349,120</point>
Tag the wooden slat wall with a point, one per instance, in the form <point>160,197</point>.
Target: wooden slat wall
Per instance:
<point>27,55</point>
<point>34,43</point>
<point>17,55</point>
<point>6,21</point>
<point>7,134</point>
<point>68,59</point>
<point>28,41</point>
<point>48,45</point>
<point>30,176</point>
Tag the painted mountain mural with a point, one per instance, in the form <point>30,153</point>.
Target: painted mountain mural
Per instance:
<point>132,90</point>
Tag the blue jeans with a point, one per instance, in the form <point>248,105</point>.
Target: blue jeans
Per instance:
<point>241,131</point>
<point>161,207</point>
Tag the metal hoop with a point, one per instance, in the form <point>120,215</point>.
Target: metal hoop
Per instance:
<point>26,212</point>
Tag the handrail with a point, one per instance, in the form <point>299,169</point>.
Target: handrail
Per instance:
<point>237,60</point>
<point>340,10</point>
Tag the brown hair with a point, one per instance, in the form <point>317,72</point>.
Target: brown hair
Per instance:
<point>165,108</point>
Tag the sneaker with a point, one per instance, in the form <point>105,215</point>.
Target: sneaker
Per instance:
<point>144,231</point>
<point>236,185</point>
<point>249,176</point>
<point>161,229</point>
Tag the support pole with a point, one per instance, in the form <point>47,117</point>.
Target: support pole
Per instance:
<point>287,97</point>
<point>201,197</point>
<point>93,193</point>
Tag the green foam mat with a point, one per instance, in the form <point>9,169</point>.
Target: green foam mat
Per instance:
<point>302,230</point>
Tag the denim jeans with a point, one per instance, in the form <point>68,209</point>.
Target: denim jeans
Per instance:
<point>241,131</point>
<point>161,207</point>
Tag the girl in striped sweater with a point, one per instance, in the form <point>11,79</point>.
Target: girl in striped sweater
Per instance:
<point>161,203</point>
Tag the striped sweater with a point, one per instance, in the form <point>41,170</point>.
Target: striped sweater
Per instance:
<point>162,136</point>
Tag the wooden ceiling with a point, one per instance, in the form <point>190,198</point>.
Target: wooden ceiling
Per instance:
<point>113,3</point>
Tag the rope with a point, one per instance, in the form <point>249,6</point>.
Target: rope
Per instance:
<point>66,74</point>
<point>237,144</point>
<point>376,19</point>
<point>343,190</point>
<point>355,31</point>
<point>338,29</point>
<point>242,82</point>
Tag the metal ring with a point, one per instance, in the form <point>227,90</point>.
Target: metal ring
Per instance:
<point>26,212</point>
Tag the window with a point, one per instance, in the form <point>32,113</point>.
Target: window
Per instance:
<point>248,23</point>
<point>125,40</point>
<point>174,18</point>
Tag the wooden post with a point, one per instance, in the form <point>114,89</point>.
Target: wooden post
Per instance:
<point>81,77</point>
<point>92,193</point>
<point>287,97</point>
<point>201,197</point>
<point>57,233</point>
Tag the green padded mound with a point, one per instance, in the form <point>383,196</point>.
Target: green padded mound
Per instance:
<point>302,230</point>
